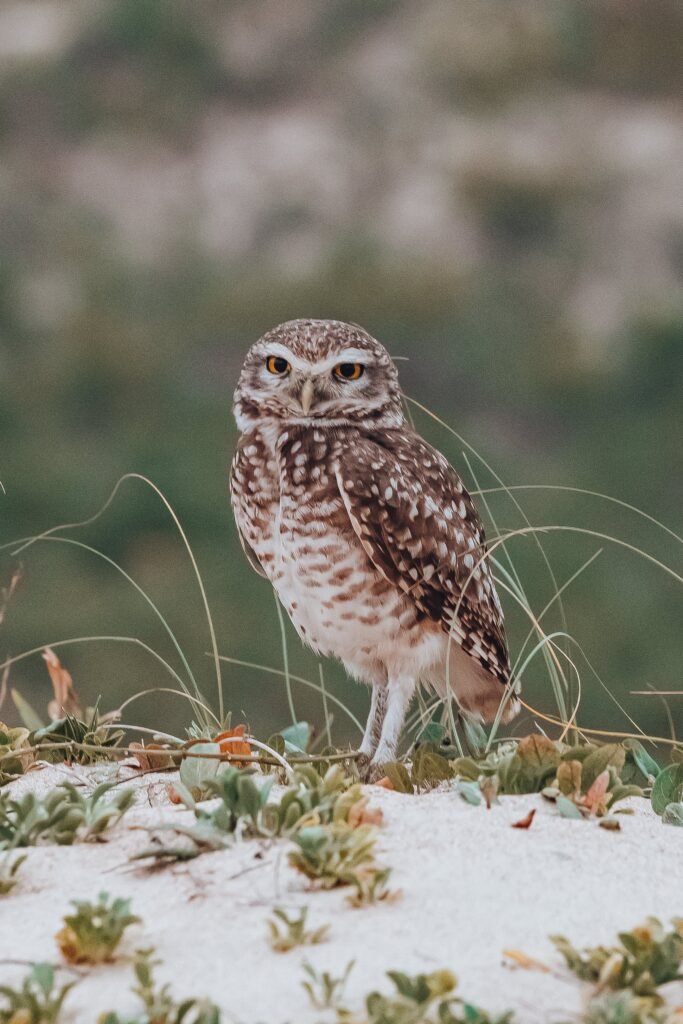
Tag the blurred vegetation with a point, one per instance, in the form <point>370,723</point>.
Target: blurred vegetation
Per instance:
<point>113,362</point>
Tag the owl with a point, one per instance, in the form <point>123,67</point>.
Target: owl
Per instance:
<point>368,535</point>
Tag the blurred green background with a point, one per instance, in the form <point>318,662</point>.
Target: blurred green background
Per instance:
<point>491,187</point>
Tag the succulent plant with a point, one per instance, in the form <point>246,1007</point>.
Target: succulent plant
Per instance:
<point>644,959</point>
<point>37,1001</point>
<point>158,1005</point>
<point>285,932</point>
<point>92,934</point>
<point>62,816</point>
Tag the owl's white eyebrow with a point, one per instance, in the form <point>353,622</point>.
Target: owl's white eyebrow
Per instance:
<point>348,355</point>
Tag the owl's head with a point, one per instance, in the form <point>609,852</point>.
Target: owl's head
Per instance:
<point>318,370</point>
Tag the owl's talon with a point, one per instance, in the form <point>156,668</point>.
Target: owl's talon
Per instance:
<point>373,772</point>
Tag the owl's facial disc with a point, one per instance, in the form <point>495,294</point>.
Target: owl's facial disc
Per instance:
<point>321,371</point>
<point>329,387</point>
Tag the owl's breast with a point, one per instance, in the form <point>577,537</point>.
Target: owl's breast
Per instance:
<point>291,514</point>
<point>337,599</point>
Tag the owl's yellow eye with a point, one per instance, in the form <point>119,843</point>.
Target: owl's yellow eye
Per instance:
<point>277,365</point>
<point>349,371</point>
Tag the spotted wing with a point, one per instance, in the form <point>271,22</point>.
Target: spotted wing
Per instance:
<point>419,527</point>
<point>254,496</point>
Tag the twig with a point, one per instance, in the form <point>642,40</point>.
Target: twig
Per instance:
<point>181,753</point>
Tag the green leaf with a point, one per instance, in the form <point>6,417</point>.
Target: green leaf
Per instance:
<point>475,735</point>
<point>29,717</point>
<point>470,792</point>
<point>673,814</point>
<point>567,809</point>
<point>433,732</point>
<point>647,765</point>
<point>44,976</point>
<point>297,737</point>
<point>538,750</point>
<point>185,795</point>
<point>430,768</point>
<point>619,792</point>
<point>467,768</point>
<point>197,772</point>
<point>668,788</point>
<point>399,777</point>
<point>599,760</point>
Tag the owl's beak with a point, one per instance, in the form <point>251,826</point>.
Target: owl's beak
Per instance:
<point>306,396</point>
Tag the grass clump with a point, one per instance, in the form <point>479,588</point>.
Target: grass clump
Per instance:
<point>9,867</point>
<point>644,959</point>
<point>338,854</point>
<point>243,809</point>
<point>326,990</point>
<point>425,999</point>
<point>667,794</point>
<point>285,932</point>
<point>63,816</point>
<point>37,1001</point>
<point>74,732</point>
<point>14,754</point>
<point>590,778</point>
<point>626,1008</point>
<point>158,1004</point>
<point>92,934</point>
<point>416,999</point>
<point>313,799</point>
<point>239,813</point>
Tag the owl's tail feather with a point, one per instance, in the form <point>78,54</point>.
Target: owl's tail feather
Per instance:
<point>477,691</point>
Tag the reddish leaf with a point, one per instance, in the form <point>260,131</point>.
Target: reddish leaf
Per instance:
<point>151,756</point>
<point>521,959</point>
<point>525,822</point>
<point>232,742</point>
<point>66,700</point>
<point>594,799</point>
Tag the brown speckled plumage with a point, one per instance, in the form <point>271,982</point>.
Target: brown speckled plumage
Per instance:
<point>366,532</point>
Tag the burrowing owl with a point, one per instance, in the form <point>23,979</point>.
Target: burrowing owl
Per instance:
<point>367,534</point>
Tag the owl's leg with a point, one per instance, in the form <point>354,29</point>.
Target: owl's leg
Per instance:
<point>373,728</point>
<point>399,694</point>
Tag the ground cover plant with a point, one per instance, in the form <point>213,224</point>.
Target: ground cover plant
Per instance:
<point>415,999</point>
<point>644,959</point>
<point>37,1001</point>
<point>286,931</point>
<point>92,933</point>
<point>159,1006</point>
<point>62,816</point>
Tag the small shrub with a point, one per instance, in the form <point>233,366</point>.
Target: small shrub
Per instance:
<point>9,866</point>
<point>667,792</point>
<point>584,779</point>
<point>243,810</point>
<point>324,989</point>
<point>420,999</point>
<point>158,1005</point>
<point>37,1001</point>
<point>646,957</point>
<point>14,755</point>
<point>285,932</point>
<point>626,1008</point>
<point>92,934</point>
<point>62,816</point>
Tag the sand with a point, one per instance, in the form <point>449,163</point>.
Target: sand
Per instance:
<point>472,886</point>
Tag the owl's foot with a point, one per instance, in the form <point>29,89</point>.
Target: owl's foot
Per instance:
<point>362,763</point>
<point>369,771</point>
<point>374,773</point>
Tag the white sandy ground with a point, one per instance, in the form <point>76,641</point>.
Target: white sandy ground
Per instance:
<point>471,885</point>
